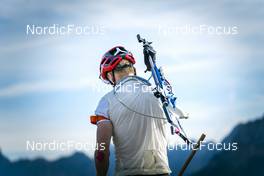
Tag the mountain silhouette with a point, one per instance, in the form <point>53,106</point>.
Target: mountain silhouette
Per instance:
<point>4,163</point>
<point>246,160</point>
<point>76,165</point>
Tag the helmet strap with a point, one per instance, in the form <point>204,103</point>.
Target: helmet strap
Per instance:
<point>135,71</point>
<point>114,80</point>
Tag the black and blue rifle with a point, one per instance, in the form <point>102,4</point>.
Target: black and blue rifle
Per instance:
<point>163,91</point>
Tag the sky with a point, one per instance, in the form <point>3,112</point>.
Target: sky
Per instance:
<point>49,83</point>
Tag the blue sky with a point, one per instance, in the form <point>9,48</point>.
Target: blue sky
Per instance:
<point>47,83</point>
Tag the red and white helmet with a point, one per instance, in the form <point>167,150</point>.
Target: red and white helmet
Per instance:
<point>112,58</point>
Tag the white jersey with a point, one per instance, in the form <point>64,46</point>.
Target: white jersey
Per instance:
<point>138,128</point>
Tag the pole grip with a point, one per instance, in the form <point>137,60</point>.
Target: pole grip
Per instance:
<point>187,162</point>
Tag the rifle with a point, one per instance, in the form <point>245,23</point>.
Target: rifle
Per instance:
<point>163,91</point>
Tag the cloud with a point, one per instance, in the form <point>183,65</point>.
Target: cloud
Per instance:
<point>44,86</point>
